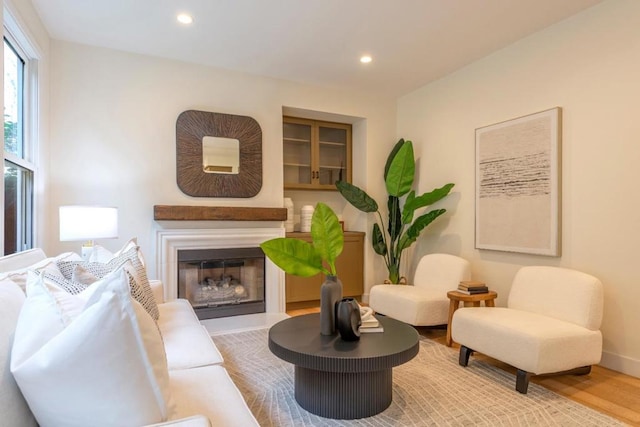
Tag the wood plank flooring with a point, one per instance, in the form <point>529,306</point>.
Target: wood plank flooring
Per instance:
<point>604,390</point>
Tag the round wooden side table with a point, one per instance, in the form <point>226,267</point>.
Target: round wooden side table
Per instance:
<point>474,300</point>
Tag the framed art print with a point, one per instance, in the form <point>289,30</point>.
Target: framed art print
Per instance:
<point>518,184</point>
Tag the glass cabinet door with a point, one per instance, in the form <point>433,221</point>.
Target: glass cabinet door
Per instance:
<point>297,153</point>
<point>333,155</point>
<point>315,154</point>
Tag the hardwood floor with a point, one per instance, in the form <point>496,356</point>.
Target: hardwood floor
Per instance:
<point>604,390</point>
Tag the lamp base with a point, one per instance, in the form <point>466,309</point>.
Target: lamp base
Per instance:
<point>86,250</point>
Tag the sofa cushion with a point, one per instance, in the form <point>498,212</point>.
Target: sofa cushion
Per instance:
<point>13,408</point>
<point>176,313</point>
<point>140,288</point>
<point>209,391</point>
<point>95,361</point>
<point>189,346</point>
<point>186,341</point>
<point>529,341</point>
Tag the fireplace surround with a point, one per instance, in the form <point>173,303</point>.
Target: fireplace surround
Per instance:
<point>170,241</point>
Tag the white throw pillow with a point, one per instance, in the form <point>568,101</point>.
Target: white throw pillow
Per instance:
<point>104,255</point>
<point>95,359</point>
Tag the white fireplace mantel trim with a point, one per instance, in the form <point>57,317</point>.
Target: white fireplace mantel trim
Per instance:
<point>169,241</point>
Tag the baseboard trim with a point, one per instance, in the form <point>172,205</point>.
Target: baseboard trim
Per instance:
<point>619,363</point>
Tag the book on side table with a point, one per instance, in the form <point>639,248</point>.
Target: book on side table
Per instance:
<point>472,287</point>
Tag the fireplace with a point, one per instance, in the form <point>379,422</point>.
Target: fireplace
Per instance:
<point>222,282</point>
<point>171,241</point>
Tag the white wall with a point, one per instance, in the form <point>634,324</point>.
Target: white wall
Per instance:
<point>113,117</point>
<point>590,66</point>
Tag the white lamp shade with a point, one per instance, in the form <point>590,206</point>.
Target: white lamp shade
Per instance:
<point>88,223</point>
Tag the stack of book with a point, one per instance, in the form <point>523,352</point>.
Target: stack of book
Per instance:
<point>472,288</point>
<point>369,322</point>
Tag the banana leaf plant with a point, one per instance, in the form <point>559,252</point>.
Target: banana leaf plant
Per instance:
<point>402,230</point>
<point>304,259</point>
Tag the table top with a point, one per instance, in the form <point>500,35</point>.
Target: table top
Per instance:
<point>474,297</point>
<point>297,340</point>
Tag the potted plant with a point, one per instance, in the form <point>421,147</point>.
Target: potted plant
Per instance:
<point>301,258</point>
<point>402,230</point>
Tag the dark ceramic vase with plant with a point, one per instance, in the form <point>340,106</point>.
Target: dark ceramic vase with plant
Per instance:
<point>301,258</point>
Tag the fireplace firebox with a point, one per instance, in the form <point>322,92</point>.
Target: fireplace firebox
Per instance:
<point>222,282</point>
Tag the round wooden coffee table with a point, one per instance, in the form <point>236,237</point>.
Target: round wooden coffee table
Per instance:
<point>456,297</point>
<point>342,379</point>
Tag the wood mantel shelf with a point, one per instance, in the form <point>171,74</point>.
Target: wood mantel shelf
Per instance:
<point>217,213</point>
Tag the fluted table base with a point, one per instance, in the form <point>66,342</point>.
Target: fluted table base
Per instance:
<point>344,396</point>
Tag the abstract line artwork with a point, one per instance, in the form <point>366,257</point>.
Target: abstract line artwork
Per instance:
<point>518,184</point>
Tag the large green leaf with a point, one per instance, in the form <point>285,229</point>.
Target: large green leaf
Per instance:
<point>294,256</point>
<point>412,203</point>
<point>357,197</point>
<point>377,239</point>
<point>399,177</point>
<point>414,229</point>
<point>392,154</point>
<point>395,223</point>
<point>326,234</point>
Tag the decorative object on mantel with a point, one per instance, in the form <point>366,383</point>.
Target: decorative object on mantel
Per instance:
<point>217,213</point>
<point>236,142</point>
<point>518,184</point>
<point>403,230</point>
<point>301,258</point>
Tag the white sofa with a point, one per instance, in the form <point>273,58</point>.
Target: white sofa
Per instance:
<point>201,388</point>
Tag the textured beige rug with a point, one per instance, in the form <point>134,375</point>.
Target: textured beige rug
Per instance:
<point>430,390</point>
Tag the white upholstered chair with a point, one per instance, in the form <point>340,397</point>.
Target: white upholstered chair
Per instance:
<point>424,303</point>
<point>550,325</point>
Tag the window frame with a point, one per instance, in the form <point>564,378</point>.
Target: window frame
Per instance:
<point>21,43</point>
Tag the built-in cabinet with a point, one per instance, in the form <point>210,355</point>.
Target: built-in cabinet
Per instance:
<point>349,266</point>
<point>316,154</point>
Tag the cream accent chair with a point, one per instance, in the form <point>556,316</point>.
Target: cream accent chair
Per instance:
<point>425,303</point>
<point>550,325</point>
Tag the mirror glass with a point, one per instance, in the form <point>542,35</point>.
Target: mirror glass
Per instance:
<point>220,155</point>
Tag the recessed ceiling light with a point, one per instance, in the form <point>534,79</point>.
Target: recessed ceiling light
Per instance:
<point>184,18</point>
<point>365,59</point>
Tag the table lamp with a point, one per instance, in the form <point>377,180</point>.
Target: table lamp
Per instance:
<point>87,223</point>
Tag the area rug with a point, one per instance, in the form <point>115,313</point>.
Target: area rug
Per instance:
<point>430,390</point>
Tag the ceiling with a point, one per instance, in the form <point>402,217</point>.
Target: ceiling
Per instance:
<point>412,42</point>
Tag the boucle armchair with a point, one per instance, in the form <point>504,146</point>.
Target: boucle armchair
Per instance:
<point>425,303</point>
<point>550,325</point>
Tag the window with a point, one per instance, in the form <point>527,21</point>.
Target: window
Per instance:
<point>18,167</point>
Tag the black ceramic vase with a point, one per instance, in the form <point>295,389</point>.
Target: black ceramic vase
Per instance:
<point>330,294</point>
<point>348,319</point>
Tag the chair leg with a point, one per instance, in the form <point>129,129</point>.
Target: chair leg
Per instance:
<point>522,381</point>
<point>584,370</point>
<point>465,352</point>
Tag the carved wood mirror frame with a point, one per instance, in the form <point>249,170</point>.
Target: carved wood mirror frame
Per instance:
<point>191,127</point>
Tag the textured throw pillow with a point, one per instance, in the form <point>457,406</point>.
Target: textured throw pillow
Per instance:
<point>60,281</point>
<point>140,288</point>
<point>82,275</point>
<point>90,359</point>
<point>49,265</point>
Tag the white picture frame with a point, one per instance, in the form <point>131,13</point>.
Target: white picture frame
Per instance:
<point>518,184</point>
